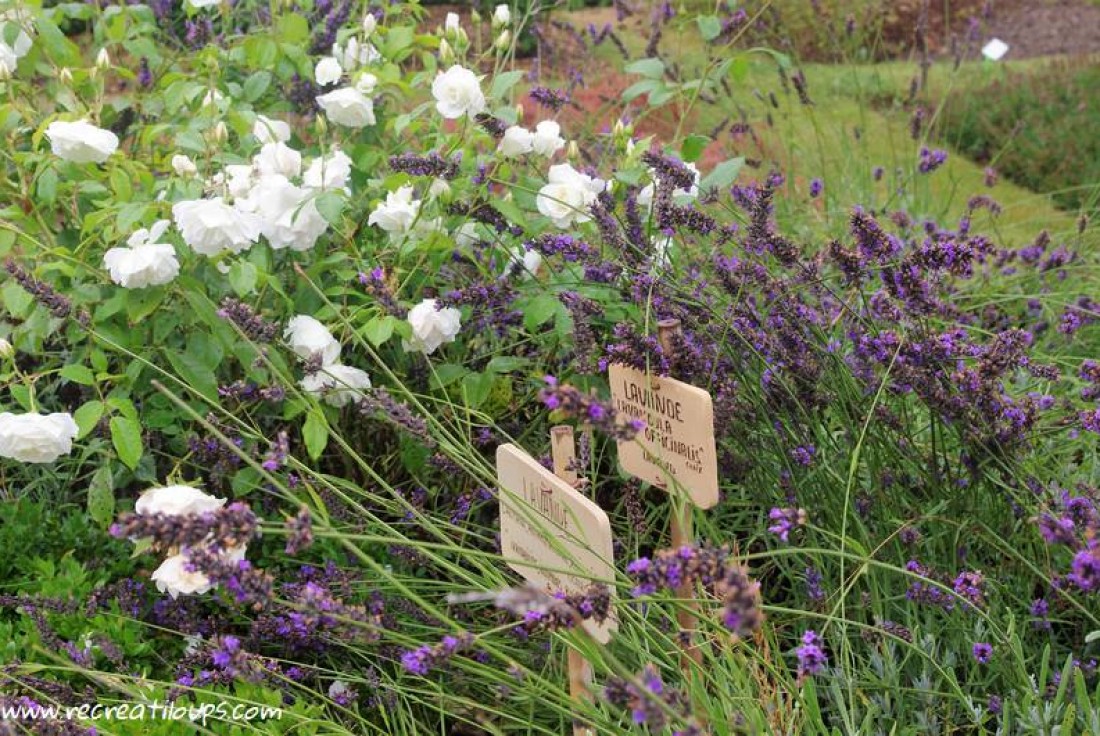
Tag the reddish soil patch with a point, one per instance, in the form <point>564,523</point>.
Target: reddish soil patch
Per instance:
<point>1037,28</point>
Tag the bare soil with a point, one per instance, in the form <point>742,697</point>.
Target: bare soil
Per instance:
<point>1046,27</point>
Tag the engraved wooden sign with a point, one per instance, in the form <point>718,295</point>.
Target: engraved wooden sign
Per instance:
<point>678,440</point>
<point>546,523</point>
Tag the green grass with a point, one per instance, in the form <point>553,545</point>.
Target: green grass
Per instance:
<point>821,141</point>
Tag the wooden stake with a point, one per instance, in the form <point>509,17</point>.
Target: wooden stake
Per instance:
<point>682,522</point>
<point>563,449</point>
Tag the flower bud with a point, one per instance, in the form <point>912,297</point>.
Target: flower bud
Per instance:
<point>450,25</point>
<point>65,76</point>
<point>184,166</point>
<point>571,151</point>
<point>446,53</point>
<point>461,39</point>
<point>6,349</point>
<point>475,17</point>
<point>369,24</point>
<point>5,72</point>
<point>219,134</point>
<point>519,113</point>
<point>321,124</point>
<point>504,40</point>
<point>439,188</point>
<point>502,15</point>
<point>103,60</point>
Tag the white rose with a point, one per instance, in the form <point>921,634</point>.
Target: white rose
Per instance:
<point>176,501</point>
<point>202,4</point>
<point>210,226</point>
<point>22,19</point>
<point>366,83</point>
<point>547,139</point>
<point>330,172</point>
<point>277,158</point>
<point>349,107</point>
<point>81,142</point>
<point>173,577</point>
<point>240,180</point>
<point>397,214</point>
<point>526,262</point>
<point>289,216</point>
<point>568,195</point>
<point>184,166</point>
<point>145,264</point>
<point>212,97</point>
<point>307,337</point>
<point>328,71</point>
<point>339,688</point>
<point>35,438</point>
<point>502,15</point>
<point>267,130</point>
<point>8,60</point>
<point>354,55</point>
<point>457,92</point>
<point>339,384</point>
<point>450,25</point>
<point>469,234</point>
<point>432,327</point>
<point>662,248</point>
<point>645,197</point>
<point>517,141</point>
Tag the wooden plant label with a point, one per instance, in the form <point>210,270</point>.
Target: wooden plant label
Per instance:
<point>546,523</point>
<point>678,439</point>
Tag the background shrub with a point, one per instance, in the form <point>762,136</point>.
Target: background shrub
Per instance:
<point>1037,128</point>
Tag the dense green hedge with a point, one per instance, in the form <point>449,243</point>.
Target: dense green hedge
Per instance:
<point>1038,129</point>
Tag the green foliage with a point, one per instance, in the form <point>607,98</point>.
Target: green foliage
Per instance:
<point>1036,127</point>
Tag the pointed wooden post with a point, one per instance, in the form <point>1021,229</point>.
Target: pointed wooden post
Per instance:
<point>563,451</point>
<point>683,517</point>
